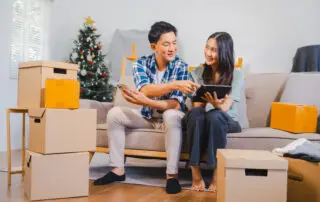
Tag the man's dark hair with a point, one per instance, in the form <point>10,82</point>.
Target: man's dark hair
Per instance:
<point>159,28</point>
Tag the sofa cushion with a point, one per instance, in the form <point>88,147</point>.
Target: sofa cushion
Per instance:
<point>265,138</point>
<point>141,139</point>
<point>261,91</point>
<point>301,88</point>
<point>252,138</point>
<point>101,107</point>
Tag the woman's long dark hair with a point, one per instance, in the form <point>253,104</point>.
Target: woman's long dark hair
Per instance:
<point>225,60</point>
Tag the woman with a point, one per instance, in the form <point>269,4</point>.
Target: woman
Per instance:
<point>208,122</point>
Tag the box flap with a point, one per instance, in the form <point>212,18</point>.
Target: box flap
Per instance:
<point>44,63</point>
<point>252,159</point>
<point>36,112</point>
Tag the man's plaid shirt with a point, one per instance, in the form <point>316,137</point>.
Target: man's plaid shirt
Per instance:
<point>144,72</point>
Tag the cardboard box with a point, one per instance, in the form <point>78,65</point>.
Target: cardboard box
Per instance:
<point>56,176</point>
<point>62,130</point>
<point>62,94</point>
<point>304,181</point>
<point>251,176</point>
<point>294,118</point>
<point>32,78</point>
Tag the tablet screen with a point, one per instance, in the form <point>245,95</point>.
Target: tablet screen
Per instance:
<point>221,91</point>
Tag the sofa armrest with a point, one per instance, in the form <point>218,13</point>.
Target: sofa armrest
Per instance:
<point>101,107</point>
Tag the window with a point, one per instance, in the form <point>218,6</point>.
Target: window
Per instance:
<point>27,41</point>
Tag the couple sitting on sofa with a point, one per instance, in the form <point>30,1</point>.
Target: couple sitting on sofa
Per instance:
<point>163,83</point>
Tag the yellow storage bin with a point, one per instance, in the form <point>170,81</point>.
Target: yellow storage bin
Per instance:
<point>294,118</point>
<point>62,94</point>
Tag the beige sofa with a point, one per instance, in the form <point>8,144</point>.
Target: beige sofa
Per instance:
<point>260,91</point>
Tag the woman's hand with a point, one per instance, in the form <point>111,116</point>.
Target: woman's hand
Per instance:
<point>135,97</point>
<point>216,103</point>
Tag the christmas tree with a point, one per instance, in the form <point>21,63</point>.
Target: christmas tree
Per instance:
<point>93,74</point>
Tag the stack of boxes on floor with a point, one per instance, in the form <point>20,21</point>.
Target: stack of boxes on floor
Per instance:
<point>60,134</point>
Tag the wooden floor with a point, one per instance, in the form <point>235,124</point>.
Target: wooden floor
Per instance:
<point>114,192</point>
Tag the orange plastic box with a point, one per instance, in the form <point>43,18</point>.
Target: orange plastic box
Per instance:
<point>294,118</point>
<point>62,94</point>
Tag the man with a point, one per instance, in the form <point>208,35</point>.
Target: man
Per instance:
<point>161,80</point>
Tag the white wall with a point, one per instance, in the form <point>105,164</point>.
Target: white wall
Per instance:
<point>266,33</point>
<point>8,87</point>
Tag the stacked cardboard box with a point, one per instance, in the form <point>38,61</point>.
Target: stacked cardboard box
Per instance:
<point>60,134</point>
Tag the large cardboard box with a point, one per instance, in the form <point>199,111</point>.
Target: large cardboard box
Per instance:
<point>56,176</point>
<point>62,93</point>
<point>62,130</point>
<point>294,118</point>
<point>304,181</point>
<point>32,78</point>
<point>251,176</point>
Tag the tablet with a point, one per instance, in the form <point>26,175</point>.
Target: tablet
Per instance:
<point>221,91</point>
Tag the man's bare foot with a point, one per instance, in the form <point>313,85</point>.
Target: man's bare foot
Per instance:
<point>197,181</point>
<point>118,171</point>
<point>213,184</point>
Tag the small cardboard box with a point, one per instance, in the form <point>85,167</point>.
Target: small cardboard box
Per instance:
<point>294,118</point>
<point>56,176</point>
<point>251,176</point>
<point>32,78</point>
<point>62,94</point>
<point>54,131</point>
<point>304,181</point>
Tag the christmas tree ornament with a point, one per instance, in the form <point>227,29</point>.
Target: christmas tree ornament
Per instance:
<point>92,49</point>
<point>83,72</point>
<point>99,47</point>
<point>74,56</point>
<point>104,74</point>
<point>88,39</point>
<point>89,21</point>
<point>82,57</point>
<point>89,58</point>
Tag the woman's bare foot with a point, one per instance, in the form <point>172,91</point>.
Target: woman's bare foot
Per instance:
<point>213,184</point>
<point>197,181</point>
<point>212,187</point>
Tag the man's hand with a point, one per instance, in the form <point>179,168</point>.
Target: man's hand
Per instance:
<point>135,97</point>
<point>217,103</point>
<point>185,86</point>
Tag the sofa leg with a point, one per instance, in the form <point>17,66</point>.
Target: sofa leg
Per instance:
<point>91,156</point>
<point>125,159</point>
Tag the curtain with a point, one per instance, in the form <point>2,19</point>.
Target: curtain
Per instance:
<point>27,32</point>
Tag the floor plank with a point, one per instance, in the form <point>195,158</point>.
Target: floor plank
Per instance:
<point>114,192</point>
